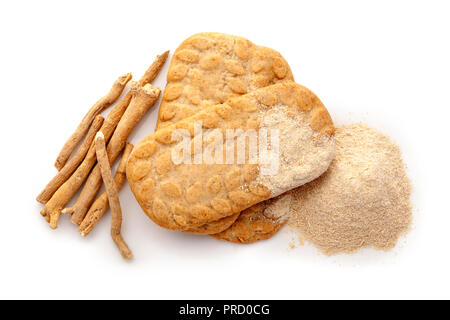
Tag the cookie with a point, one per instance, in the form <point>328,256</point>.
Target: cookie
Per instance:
<point>259,222</point>
<point>210,68</point>
<point>189,196</point>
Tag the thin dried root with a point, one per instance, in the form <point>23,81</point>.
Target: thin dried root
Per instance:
<point>121,244</point>
<point>143,98</point>
<point>94,183</point>
<point>99,207</point>
<point>113,196</point>
<point>54,218</point>
<point>68,211</point>
<point>63,195</point>
<point>154,69</point>
<point>97,108</point>
<point>72,164</point>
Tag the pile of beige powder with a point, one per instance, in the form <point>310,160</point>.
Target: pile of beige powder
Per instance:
<point>361,201</point>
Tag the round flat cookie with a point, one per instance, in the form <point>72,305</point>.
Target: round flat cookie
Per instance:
<point>210,68</point>
<point>189,196</point>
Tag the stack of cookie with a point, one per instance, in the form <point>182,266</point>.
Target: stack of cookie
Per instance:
<point>199,171</point>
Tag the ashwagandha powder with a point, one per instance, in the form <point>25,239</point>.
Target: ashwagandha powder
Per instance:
<point>363,200</point>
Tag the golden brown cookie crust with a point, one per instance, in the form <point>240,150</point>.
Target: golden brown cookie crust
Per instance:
<point>215,226</point>
<point>210,68</point>
<point>257,222</point>
<point>185,197</point>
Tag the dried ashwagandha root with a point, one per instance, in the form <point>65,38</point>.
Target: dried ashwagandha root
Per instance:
<point>149,75</point>
<point>97,108</point>
<point>154,69</point>
<point>111,191</point>
<point>101,204</point>
<point>62,196</point>
<point>72,164</point>
<point>143,98</point>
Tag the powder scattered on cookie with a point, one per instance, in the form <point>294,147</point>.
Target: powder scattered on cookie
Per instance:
<point>303,154</point>
<point>363,200</point>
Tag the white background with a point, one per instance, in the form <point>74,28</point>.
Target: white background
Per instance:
<point>383,63</point>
